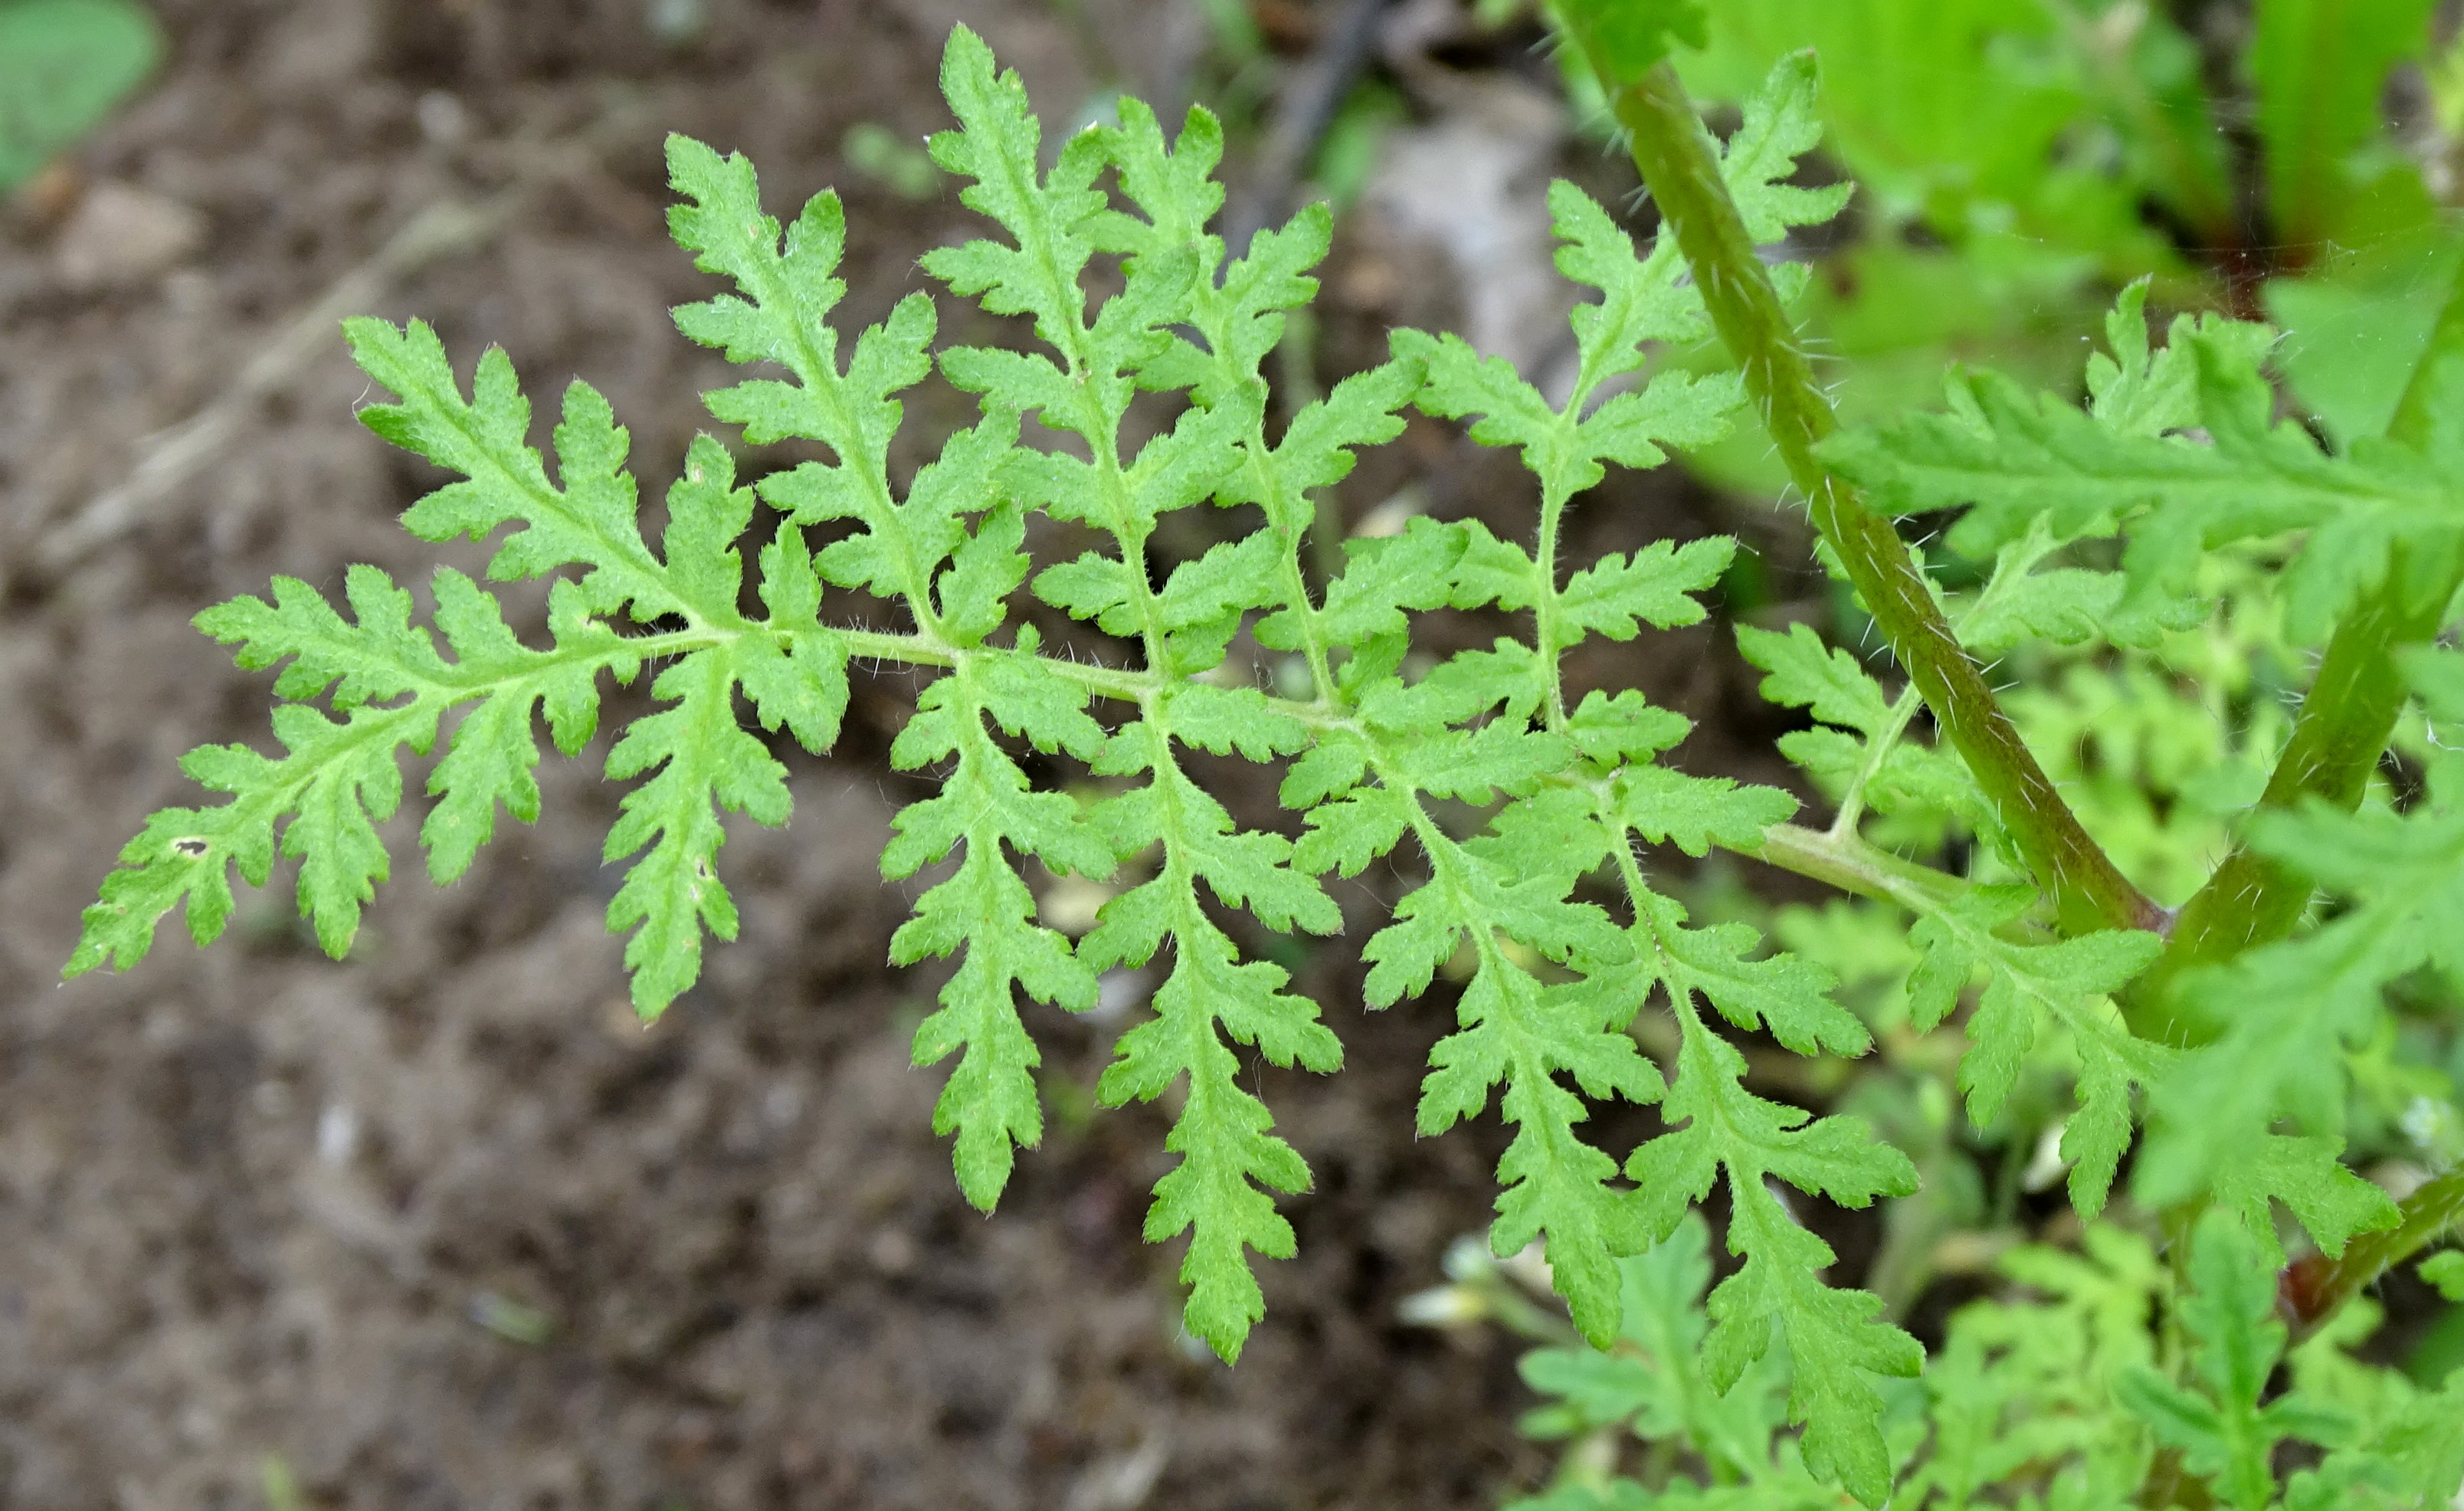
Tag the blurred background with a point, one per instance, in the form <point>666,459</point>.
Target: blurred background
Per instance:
<point>444,1226</point>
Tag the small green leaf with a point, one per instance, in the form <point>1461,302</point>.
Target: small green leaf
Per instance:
<point>705,762</point>
<point>1803,672</point>
<point>1615,596</point>
<point>2444,1270</point>
<point>1780,126</point>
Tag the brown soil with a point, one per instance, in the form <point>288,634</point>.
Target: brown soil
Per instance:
<point>254,1203</point>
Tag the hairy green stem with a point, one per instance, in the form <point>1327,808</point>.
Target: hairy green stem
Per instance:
<point>1852,865</point>
<point>1681,165</point>
<point>2343,727</point>
<point>1878,750</point>
<point>1290,532</point>
<point>2314,1288</point>
<point>1544,608</point>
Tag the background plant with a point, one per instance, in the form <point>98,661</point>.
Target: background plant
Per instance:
<point>1524,797</point>
<point>2017,162</point>
<point>65,65</point>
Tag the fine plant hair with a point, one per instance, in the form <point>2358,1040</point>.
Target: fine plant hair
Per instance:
<point>1531,822</point>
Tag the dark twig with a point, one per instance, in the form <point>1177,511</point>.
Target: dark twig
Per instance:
<point>1304,111</point>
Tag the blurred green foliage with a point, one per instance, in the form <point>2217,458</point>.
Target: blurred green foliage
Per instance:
<point>877,153</point>
<point>2093,1370</point>
<point>2017,160</point>
<point>65,65</point>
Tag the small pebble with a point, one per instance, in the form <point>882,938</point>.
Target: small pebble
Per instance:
<point>121,235</point>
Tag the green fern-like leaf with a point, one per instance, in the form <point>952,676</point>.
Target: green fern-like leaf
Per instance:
<point>1522,809</point>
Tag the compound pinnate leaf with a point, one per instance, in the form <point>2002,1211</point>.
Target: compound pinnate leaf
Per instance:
<point>1556,1184</point>
<point>1877,766</point>
<point>2331,1202</point>
<point>1803,672</point>
<point>492,752</point>
<point>1695,813</point>
<point>1035,779</point>
<point>1787,995</point>
<point>2139,389</point>
<point>2072,606</point>
<point>989,1100</point>
<point>1229,1159</point>
<point>996,148</point>
<point>1654,587</point>
<point>1642,298</point>
<point>1223,1134</point>
<point>987,803</point>
<point>1655,1382</point>
<point>1615,730</point>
